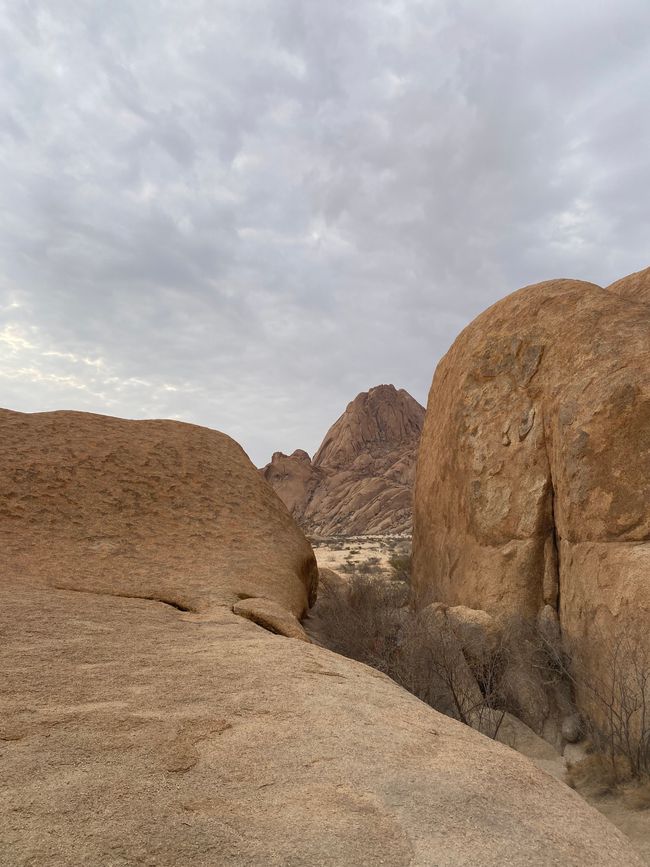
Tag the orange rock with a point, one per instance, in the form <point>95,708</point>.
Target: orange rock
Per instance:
<point>636,287</point>
<point>151,509</point>
<point>533,478</point>
<point>135,733</point>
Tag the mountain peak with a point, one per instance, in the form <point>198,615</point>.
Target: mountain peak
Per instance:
<point>381,419</point>
<point>361,478</point>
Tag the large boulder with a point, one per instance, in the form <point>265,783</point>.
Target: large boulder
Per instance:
<point>533,478</point>
<point>132,732</point>
<point>151,509</point>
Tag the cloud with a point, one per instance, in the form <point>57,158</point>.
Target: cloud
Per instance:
<point>243,214</point>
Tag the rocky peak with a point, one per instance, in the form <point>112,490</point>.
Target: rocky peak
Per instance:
<point>374,423</point>
<point>361,478</point>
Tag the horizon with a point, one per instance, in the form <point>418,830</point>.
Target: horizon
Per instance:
<point>243,219</point>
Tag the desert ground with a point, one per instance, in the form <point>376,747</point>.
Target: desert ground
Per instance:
<point>343,554</point>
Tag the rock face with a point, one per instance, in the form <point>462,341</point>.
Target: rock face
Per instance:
<point>132,732</point>
<point>361,478</point>
<point>533,478</point>
<point>154,509</point>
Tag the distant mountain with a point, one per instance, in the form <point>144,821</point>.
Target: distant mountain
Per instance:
<point>361,478</point>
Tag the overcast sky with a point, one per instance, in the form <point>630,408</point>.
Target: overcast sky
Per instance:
<point>243,213</point>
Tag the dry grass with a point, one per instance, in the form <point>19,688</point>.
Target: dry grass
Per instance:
<point>637,797</point>
<point>598,775</point>
<point>341,553</point>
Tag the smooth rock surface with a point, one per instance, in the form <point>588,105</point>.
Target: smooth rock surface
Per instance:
<point>635,287</point>
<point>533,480</point>
<point>153,509</point>
<point>134,733</point>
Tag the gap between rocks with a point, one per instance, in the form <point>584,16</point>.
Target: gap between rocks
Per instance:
<point>177,605</point>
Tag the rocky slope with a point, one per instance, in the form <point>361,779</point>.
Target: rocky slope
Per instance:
<point>132,732</point>
<point>361,478</point>
<point>533,478</point>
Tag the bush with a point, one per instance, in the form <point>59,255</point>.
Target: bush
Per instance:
<point>367,618</point>
<point>597,775</point>
<point>361,619</point>
<point>617,694</point>
<point>400,565</point>
<point>638,797</point>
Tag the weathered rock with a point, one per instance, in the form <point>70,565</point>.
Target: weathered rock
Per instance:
<point>294,479</point>
<point>361,478</point>
<point>135,733</point>
<point>533,479</point>
<point>478,632</point>
<point>155,509</point>
<point>572,728</point>
<point>635,287</point>
<point>459,692</point>
<point>271,616</point>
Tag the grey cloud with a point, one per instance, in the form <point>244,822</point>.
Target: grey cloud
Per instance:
<point>242,214</point>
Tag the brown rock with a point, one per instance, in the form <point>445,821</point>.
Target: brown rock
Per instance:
<point>135,733</point>
<point>635,287</point>
<point>154,509</point>
<point>271,616</point>
<point>293,478</point>
<point>361,478</point>
<point>142,735</point>
<point>478,633</point>
<point>533,478</point>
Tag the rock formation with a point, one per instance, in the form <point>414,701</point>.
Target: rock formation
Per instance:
<point>360,481</point>
<point>533,478</point>
<point>132,732</point>
<point>636,287</point>
<point>154,509</point>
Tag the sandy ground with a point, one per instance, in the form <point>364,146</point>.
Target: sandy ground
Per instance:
<point>340,553</point>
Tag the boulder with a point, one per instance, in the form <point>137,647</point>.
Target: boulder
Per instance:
<point>157,510</point>
<point>272,616</point>
<point>572,728</point>
<point>133,733</point>
<point>533,477</point>
<point>477,631</point>
<point>142,721</point>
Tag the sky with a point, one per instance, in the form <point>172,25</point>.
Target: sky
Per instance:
<point>241,213</point>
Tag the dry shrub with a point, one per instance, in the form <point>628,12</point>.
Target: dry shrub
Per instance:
<point>637,797</point>
<point>360,617</point>
<point>400,565</point>
<point>367,617</point>
<point>534,683</point>
<point>616,692</point>
<point>597,775</point>
<point>531,672</point>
